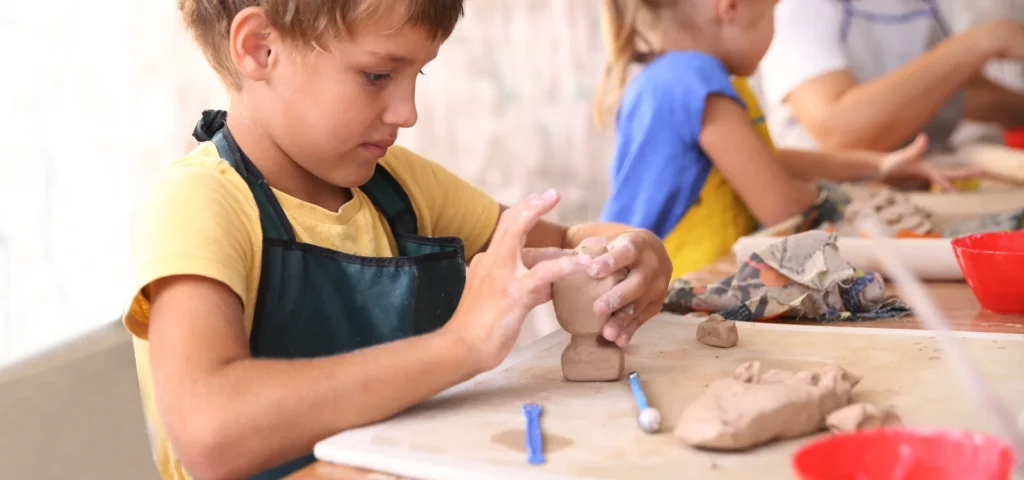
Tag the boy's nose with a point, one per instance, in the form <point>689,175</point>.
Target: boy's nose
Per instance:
<point>401,113</point>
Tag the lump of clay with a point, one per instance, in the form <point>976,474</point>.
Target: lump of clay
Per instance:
<point>588,357</point>
<point>861,416</point>
<point>755,407</point>
<point>717,332</point>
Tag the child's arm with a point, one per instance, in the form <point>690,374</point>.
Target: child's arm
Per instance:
<point>842,165</point>
<point>987,101</point>
<point>739,153</point>
<point>229,415</point>
<point>853,165</point>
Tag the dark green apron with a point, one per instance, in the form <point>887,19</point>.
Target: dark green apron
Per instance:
<point>314,301</point>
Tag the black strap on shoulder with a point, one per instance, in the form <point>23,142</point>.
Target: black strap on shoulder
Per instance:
<point>273,221</point>
<point>391,200</point>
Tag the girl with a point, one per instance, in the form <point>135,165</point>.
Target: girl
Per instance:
<point>693,161</point>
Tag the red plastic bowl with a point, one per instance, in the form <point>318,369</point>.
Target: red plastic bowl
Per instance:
<point>1014,137</point>
<point>905,454</point>
<point>993,264</point>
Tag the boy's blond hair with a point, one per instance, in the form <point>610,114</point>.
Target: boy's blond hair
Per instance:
<point>307,22</point>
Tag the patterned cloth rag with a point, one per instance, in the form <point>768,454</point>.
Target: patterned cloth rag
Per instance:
<point>801,276</point>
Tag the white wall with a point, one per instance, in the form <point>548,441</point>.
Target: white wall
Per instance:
<point>97,96</point>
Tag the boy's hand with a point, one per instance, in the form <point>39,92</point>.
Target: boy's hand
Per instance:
<point>500,290</point>
<point>640,295</point>
<point>909,162</point>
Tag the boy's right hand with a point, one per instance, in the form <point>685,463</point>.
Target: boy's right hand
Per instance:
<point>500,290</point>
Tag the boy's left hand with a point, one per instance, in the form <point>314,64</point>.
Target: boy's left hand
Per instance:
<point>640,295</point>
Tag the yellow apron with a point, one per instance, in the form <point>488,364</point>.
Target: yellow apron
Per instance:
<point>719,218</point>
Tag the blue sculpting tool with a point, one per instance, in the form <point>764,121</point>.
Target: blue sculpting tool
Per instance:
<point>534,440</point>
<point>649,418</point>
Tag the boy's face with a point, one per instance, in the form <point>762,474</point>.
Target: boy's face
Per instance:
<point>336,112</point>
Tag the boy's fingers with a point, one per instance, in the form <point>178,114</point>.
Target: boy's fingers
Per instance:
<point>533,256</point>
<point>546,272</point>
<point>615,325</point>
<point>622,255</point>
<point>630,323</point>
<point>518,220</point>
<point>621,294</point>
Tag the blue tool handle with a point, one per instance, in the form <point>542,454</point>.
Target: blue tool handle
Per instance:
<point>638,392</point>
<point>534,440</point>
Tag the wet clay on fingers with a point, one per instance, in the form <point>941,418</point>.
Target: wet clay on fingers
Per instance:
<point>861,416</point>
<point>717,332</point>
<point>755,407</point>
<point>588,357</point>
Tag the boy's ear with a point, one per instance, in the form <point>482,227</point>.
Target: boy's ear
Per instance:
<point>253,43</point>
<point>726,10</point>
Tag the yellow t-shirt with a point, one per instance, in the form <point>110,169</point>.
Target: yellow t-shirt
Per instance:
<point>200,218</point>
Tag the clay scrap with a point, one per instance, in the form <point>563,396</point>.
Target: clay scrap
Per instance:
<point>717,332</point>
<point>754,407</point>
<point>894,209</point>
<point>862,416</point>
<point>588,357</point>
<point>905,219</point>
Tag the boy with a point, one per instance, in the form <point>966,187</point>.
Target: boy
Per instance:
<point>297,275</point>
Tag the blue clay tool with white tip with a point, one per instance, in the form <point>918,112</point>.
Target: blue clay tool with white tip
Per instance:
<point>534,439</point>
<point>649,418</point>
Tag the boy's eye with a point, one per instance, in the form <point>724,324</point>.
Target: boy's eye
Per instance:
<point>375,78</point>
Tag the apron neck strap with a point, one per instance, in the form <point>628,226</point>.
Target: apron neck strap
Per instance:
<point>391,200</point>
<point>213,127</point>
<point>386,194</point>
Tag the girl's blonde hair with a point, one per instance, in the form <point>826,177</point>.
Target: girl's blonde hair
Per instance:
<point>628,30</point>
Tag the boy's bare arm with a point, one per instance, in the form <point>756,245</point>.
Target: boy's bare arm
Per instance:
<point>737,150</point>
<point>230,415</point>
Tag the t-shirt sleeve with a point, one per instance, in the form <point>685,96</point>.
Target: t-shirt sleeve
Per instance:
<point>445,204</point>
<point>195,220</point>
<point>807,44</point>
<point>658,168</point>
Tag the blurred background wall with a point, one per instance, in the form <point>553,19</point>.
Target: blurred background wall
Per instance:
<point>94,105</point>
<point>99,96</point>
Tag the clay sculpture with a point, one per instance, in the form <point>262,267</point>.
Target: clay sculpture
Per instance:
<point>588,357</point>
<point>861,416</point>
<point>717,332</point>
<point>754,407</point>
